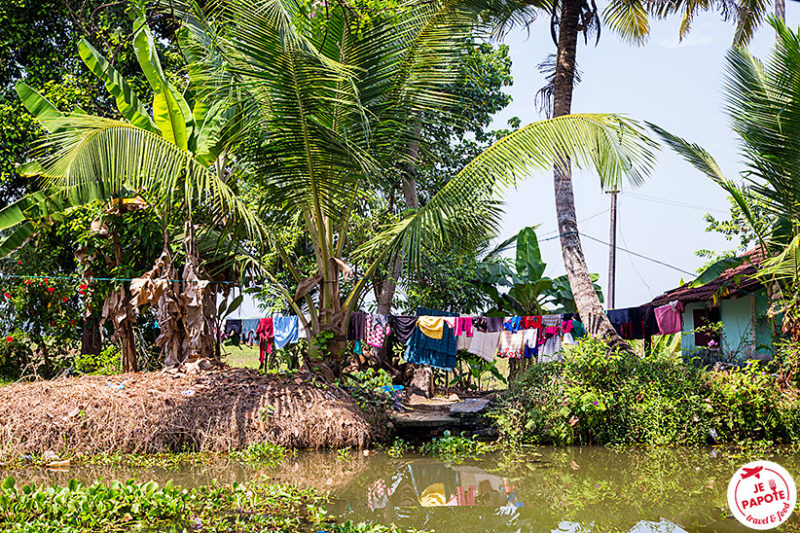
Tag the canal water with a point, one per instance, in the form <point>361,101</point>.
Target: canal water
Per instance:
<point>535,490</point>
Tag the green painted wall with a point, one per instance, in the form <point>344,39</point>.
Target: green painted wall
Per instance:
<point>745,328</point>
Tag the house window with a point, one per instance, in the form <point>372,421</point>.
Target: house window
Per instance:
<point>702,319</point>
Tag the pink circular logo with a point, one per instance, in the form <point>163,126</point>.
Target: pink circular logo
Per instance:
<point>762,495</point>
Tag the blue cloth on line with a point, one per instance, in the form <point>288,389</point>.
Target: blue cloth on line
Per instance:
<point>512,323</point>
<point>436,353</point>
<point>249,326</point>
<point>286,330</point>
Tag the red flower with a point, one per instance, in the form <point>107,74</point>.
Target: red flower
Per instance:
<point>27,282</point>
<point>51,289</point>
<point>53,323</point>
<point>19,262</point>
<point>72,322</point>
<point>9,339</point>
<point>7,295</point>
<point>84,286</point>
<point>80,292</point>
<point>64,299</point>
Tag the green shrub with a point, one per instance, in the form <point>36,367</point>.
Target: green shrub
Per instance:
<point>594,397</point>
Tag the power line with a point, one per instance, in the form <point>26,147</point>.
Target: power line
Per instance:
<point>673,203</point>
<point>662,263</point>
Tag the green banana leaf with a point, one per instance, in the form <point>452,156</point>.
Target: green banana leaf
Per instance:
<point>128,102</point>
<point>171,113</point>
<point>40,107</point>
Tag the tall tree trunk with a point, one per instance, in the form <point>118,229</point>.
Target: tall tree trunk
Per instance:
<point>586,300</point>
<point>780,10</point>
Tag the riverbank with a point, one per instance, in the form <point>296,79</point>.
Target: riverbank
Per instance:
<point>593,397</point>
<point>218,410</point>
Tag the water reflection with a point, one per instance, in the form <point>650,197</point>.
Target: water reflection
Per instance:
<point>563,491</point>
<point>572,490</point>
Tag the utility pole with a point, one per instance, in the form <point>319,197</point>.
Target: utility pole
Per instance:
<point>612,250</point>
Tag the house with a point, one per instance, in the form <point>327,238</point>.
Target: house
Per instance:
<point>736,300</point>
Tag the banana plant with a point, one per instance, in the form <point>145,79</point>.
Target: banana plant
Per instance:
<point>522,288</point>
<point>175,160</point>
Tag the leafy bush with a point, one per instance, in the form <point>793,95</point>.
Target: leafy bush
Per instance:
<point>107,362</point>
<point>594,397</point>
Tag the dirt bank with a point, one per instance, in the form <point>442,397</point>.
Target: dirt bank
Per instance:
<point>219,410</point>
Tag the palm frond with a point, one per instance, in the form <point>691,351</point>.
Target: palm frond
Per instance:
<point>628,18</point>
<point>94,151</point>
<point>465,209</point>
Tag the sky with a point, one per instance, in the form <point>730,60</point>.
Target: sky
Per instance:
<point>677,85</point>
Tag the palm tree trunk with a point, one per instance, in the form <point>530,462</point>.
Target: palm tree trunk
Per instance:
<point>586,300</point>
<point>780,10</point>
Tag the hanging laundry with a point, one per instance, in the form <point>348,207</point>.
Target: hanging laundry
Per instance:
<point>450,321</point>
<point>578,329</point>
<point>376,329</point>
<point>402,327</point>
<point>511,323</point>
<point>649,320</point>
<point>426,350</point>
<point>566,332</point>
<point>249,326</point>
<point>463,326</point>
<point>266,332</point>
<point>531,322</point>
<point>484,344</point>
<point>669,317</point>
<point>530,339</point>
<point>355,328</point>
<point>233,329</point>
<point>621,320</point>
<point>463,342</point>
<point>511,344</point>
<point>432,326</point>
<point>487,323</point>
<point>357,349</point>
<point>550,341</point>
<point>286,330</point>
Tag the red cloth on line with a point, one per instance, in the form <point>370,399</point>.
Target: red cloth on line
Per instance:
<point>265,332</point>
<point>531,322</point>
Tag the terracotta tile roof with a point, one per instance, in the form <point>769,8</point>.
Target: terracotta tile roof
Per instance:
<point>735,282</point>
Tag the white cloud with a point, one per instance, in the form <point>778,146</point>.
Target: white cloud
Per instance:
<point>689,42</point>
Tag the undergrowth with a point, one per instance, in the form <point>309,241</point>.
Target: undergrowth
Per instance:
<point>254,508</point>
<point>593,397</point>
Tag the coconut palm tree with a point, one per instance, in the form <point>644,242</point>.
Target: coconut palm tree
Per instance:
<point>322,105</point>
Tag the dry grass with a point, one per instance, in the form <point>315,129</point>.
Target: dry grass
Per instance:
<point>229,409</point>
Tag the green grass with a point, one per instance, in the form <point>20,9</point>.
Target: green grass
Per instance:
<point>242,356</point>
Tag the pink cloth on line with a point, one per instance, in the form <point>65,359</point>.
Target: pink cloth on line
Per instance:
<point>669,318</point>
<point>464,326</point>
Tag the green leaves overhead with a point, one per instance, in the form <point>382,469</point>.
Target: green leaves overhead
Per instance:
<point>466,208</point>
<point>171,113</point>
<point>714,270</point>
<point>127,101</point>
<point>39,106</point>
